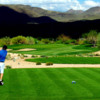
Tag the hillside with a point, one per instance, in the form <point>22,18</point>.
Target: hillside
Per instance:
<point>32,21</point>
<point>69,16</point>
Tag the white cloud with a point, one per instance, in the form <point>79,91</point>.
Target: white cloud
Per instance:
<point>57,5</point>
<point>91,3</point>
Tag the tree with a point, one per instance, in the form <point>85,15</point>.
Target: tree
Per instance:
<point>98,40</point>
<point>92,37</point>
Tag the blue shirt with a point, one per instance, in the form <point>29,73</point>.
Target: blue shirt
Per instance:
<point>3,54</point>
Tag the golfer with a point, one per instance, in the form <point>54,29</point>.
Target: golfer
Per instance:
<point>3,54</point>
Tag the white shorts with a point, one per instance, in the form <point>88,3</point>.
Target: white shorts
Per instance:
<point>2,65</point>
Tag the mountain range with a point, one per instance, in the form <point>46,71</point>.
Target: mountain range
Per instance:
<point>32,21</point>
<point>68,16</point>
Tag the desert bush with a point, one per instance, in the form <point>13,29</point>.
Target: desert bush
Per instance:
<point>8,57</point>
<point>90,55</point>
<point>92,37</point>
<point>71,41</point>
<point>5,41</point>
<point>46,41</point>
<point>98,40</point>
<point>79,42</point>
<point>8,67</point>
<point>33,56</point>
<point>19,40</point>
<point>59,41</point>
<point>30,40</point>
<point>86,42</point>
<point>49,63</point>
<point>63,38</point>
<point>43,56</point>
<point>22,56</point>
<point>38,63</point>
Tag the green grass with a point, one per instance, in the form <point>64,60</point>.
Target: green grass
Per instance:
<point>51,84</point>
<point>53,49</point>
<point>67,60</point>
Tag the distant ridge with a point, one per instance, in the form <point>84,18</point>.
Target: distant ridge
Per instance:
<point>68,16</point>
<point>75,11</point>
<point>93,11</point>
<point>10,16</point>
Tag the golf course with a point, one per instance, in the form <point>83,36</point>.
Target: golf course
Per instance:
<point>51,84</point>
<point>49,49</point>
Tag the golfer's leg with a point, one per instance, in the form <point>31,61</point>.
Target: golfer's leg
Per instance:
<point>2,71</point>
<point>1,76</point>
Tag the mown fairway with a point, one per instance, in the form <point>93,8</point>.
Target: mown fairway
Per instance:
<point>67,60</point>
<point>51,84</point>
<point>53,49</point>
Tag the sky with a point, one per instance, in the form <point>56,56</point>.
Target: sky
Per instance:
<point>56,5</point>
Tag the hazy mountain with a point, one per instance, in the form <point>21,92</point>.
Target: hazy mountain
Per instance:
<point>69,16</point>
<point>10,16</point>
<point>72,11</point>
<point>92,11</point>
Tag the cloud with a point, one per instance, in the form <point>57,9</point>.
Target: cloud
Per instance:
<point>59,5</point>
<point>91,3</point>
<point>56,5</point>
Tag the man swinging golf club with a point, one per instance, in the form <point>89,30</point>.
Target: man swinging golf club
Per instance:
<point>3,54</point>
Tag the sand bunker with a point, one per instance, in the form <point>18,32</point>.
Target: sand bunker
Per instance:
<point>98,52</point>
<point>26,49</point>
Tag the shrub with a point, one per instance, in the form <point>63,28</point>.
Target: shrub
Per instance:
<point>25,55</point>
<point>43,56</point>
<point>71,41</point>
<point>59,41</point>
<point>92,37</point>
<point>63,38</point>
<point>98,40</point>
<point>19,40</point>
<point>49,63</point>
<point>30,40</point>
<point>86,42</point>
<point>8,57</point>
<point>79,42</point>
<point>91,55</point>
<point>38,63</point>
<point>22,56</point>
<point>8,67</point>
<point>5,41</point>
<point>46,41</point>
<point>33,56</point>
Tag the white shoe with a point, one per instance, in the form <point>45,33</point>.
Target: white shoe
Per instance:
<point>1,83</point>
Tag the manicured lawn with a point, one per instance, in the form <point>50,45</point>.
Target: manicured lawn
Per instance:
<point>53,49</point>
<point>51,84</point>
<point>67,60</point>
